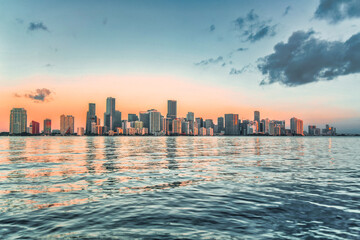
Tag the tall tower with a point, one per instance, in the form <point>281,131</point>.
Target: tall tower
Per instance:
<point>257,116</point>
<point>90,117</point>
<point>67,124</point>
<point>231,124</point>
<point>18,121</point>
<point>154,121</point>
<point>109,115</point>
<point>171,109</point>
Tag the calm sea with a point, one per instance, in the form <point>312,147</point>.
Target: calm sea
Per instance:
<point>180,187</point>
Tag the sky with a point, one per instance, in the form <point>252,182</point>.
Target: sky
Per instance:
<point>284,58</point>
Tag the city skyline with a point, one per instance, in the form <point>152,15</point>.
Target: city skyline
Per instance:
<point>152,122</point>
<point>212,56</point>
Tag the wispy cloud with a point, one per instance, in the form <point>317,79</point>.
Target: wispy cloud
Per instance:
<point>253,29</point>
<point>210,61</point>
<point>235,71</point>
<point>212,28</point>
<point>35,26</point>
<point>335,11</point>
<point>39,95</point>
<point>287,10</point>
<point>305,59</point>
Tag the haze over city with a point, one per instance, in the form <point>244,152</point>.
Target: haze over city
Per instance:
<point>214,57</point>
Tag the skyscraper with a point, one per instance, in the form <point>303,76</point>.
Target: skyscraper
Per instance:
<point>190,116</point>
<point>18,121</point>
<point>47,126</point>
<point>154,121</point>
<point>176,126</point>
<point>144,117</point>
<point>66,124</point>
<point>231,124</point>
<point>257,116</point>
<point>296,126</point>
<point>171,109</point>
<point>220,123</point>
<point>209,123</point>
<point>109,115</point>
<point>90,117</point>
<point>117,120</point>
<point>35,127</point>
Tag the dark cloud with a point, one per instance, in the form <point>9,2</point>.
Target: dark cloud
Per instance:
<point>253,29</point>
<point>305,59</point>
<point>287,9</point>
<point>39,95</point>
<point>37,26</point>
<point>210,61</point>
<point>212,28</point>
<point>335,11</point>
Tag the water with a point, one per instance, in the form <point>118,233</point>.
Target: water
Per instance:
<point>180,187</point>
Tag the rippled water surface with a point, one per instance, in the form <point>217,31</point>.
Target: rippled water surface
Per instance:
<point>180,187</point>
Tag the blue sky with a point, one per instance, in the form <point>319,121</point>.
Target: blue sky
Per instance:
<point>201,42</point>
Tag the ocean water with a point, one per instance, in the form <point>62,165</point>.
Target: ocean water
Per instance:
<point>180,187</point>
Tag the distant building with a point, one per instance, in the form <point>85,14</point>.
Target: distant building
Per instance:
<point>209,132</point>
<point>47,126</point>
<point>329,131</point>
<point>209,123</point>
<point>67,124</point>
<point>296,126</point>
<point>171,109</point>
<point>80,131</point>
<point>154,121</point>
<point>220,124</point>
<point>18,121</point>
<point>190,117</point>
<point>132,117</point>
<point>257,118</point>
<point>35,127</point>
<point>117,120</point>
<point>202,131</point>
<point>231,124</point>
<point>185,127</point>
<point>90,117</point>
<point>145,118</point>
<point>200,122</point>
<point>109,115</point>
<point>176,124</point>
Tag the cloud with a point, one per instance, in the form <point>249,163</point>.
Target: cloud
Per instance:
<point>39,95</point>
<point>37,26</point>
<point>19,20</point>
<point>253,29</point>
<point>212,28</point>
<point>335,11</point>
<point>105,20</point>
<point>235,71</point>
<point>287,9</point>
<point>305,59</point>
<point>49,65</point>
<point>210,61</point>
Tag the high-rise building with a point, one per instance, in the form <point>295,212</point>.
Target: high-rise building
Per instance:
<point>35,127</point>
<point>154,121</point>
<point>144,117</point>
<point>171,109</point>
<point>176,126</point>
<point>190,116</point>
<point>47,126</point>
<point>220,123</point>
<point>231,124</point>
<point>90,117</point>
<point>67,124</point>
<point>18,121</point>
<point>257,116</point>
<point>185,127</point>
<point>109,115</point>
<point>200,122</point>
<point>209,123</point>
<point>296,126</point>
<point>132,117</point>
<point>117,120</point>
